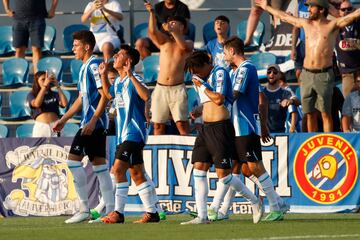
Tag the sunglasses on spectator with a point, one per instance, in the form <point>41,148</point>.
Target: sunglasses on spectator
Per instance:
<point>346,9</point>
<point>272,71</point>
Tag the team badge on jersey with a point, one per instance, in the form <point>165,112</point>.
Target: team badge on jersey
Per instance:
<point>326,168</point>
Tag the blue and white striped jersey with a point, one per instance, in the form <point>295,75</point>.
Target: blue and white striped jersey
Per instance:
<point>130,111</point>
<point>218,81</point>
<point>89,82</point>
<point>245,110</point>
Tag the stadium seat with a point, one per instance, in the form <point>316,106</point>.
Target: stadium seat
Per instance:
<point>24,130</point>
<point>298,93</point>
<point>209,32</point>
<point>6,39</point>
<point>257,37</point>
<point>141,30</point>
<point>19,107</point>
<point>75,66</point>
<point>52,64</point>
<point>49,39</point>
<point>15,72</point>
<point>151,69</point>
<point>262,61</point>
<point>70,129</point>
<point>4,131</point>
<point>67,35</point>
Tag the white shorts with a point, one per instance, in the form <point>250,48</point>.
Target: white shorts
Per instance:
<point>169,99</point>
<point>102,38</point>
<point>42,129</point>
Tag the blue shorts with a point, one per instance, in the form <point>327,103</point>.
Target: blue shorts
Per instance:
<point>23,29</point>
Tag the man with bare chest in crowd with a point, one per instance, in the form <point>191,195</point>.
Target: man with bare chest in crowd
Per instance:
<point>169,95</point>
<point>317,77</point>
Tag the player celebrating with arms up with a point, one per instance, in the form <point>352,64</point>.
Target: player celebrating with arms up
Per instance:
<point>130,94</point>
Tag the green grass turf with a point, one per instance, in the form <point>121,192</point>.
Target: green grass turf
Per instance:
<point>295,226</point>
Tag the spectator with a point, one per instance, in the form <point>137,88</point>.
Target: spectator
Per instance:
<point>29,21</point>
<point>215,46</point>
<point>351,109</point>
<point>44,103</point>
<point>280,102</point>
<point>98,12</point>
<point>169,95</point>
<point>317,77</point>
<point>163,10</point>
<point>348,49</point>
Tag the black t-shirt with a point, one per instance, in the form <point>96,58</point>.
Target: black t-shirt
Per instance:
<point>162,12</point>
<point>49,104</point>
<point>29,9</point>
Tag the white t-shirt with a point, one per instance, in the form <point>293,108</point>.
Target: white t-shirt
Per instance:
<point>98,23</point>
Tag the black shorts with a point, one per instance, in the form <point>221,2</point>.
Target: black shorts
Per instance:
<point>93,145</point>
<point>215,144</point>
<point>23,29</point>
<point>130,152</point>
<point>248,148</point>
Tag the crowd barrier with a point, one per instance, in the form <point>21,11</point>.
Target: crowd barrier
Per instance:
<point>314,173</point>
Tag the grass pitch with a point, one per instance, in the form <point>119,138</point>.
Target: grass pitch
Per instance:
<point>295,226</point>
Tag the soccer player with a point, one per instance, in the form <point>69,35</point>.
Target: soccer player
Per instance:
<point>215,142</point>
<point>90,140</point>
<point>245,111</point>
<point>130,94</point>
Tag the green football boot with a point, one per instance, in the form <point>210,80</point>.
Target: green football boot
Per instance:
<point>274,216</point>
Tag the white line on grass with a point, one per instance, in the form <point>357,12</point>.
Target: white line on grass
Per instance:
<point>302,237</point>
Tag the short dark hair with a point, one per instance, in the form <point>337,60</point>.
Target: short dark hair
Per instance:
<point>197,59</point>
<point>236,43</point>
<point>133,53</point>
<point>178,18</point>
<point>222,18</point>
<point>86,37</point>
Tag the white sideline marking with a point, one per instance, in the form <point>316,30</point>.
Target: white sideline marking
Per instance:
<point>302,237</point>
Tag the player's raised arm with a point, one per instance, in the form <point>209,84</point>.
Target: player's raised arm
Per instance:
<point>297,22</point>
<point>348,19</point>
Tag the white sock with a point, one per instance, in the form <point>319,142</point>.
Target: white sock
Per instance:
<point>106,188</point>
<point>257,182</point>
<point>100,207</point>
<point>221,190</point>
<point>228,199</point>
<point>268,188</point>
<point>240,187</point>
<point>201,192</point>
<point>145,191</point>
<point>154,194</point>
<point>121,195</point>
<point>80,182</point>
